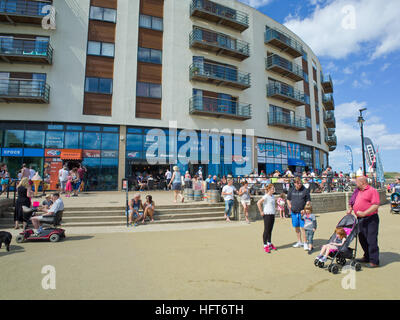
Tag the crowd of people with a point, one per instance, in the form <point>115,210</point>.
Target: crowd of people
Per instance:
<point>71,182</point>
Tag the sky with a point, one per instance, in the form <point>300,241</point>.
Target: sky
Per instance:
<point>358,44</point>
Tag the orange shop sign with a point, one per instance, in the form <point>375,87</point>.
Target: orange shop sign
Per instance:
<point>71,154</point>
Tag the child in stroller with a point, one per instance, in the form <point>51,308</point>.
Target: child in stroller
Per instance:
<point>338,246</point>
<point>395,203</point>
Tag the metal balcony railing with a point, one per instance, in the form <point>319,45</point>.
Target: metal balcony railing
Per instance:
<point>331,140</point>
<point>23,7</point>
<point>284,39</point>
<point>283,119</point>
<point>219,72</point>
<point>19,89</point>
<point>284,90</point>
<point>275,60</point>
<point>220,11</point>
<point>26,47</point>
<point>328,101</point>
<point>219,40</point>
<point>221,107</point>
<point>327,84</point>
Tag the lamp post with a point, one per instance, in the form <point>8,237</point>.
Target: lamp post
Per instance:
<point>361,123</point>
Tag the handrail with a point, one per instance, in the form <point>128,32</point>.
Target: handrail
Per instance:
<point>219,106</point>
<point>281,118</point>
<point>24,88</point>
<point>275,87</point>
<point>220,40</point>
<point>25,47</point>
<point>23,7</point>
<point>272,33</point>
<point>214,70</point>
<point>286,64</point>
<point>222,11</point>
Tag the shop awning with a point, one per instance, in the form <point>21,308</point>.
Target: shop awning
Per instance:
<point>71,154</point>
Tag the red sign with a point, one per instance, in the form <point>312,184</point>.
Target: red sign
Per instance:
<point>91,153</point>
<point>54,165</point>
<point>71,154</point>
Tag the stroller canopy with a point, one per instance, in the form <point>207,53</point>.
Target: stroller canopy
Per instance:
<point>348,221</point>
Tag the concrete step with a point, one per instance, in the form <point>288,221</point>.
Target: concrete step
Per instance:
<point>185,205</point>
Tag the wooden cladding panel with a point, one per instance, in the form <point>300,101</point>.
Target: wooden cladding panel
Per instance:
<point>101,31</point>
<point>308,110</point>
<point>112,4</point>
<point>97,104</point>
<point>153,8</point>
<point>100,67</point>
<point>306,88</point>
<point>148,108</point>
<point>210,94</point>
<point>309,134</point>
<point>150,39</point>
<point>21,75</point>
<point>305,66</point>
<point>317,116</point>
<point>319,137</point>
<point>149,72</point>
<point>314,74</point>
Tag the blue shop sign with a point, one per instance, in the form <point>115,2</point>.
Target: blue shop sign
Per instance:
<point>30,152</point>
<point>11,152</point>
<point>296,162</point>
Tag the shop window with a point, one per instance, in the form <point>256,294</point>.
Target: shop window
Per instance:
<point>109,141</point>
<point>55,139</point>
<point>73,140</point>
<point>13,138</point>
<point>34,139</point>
<point>92,128</point>
<point>74,128</point>
<point>134,142</point>
<point>55,127</point>
<point>91,141</point>
<point>109,174</point>
<point>110,129</point>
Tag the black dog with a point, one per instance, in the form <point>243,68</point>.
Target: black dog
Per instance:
<point>6,238</point>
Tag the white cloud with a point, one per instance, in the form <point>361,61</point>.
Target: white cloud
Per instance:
<point>363,82</point>
<point>385,66</point>
<point>256,3</point>
<point>343,27</point>
<point>347,70</point>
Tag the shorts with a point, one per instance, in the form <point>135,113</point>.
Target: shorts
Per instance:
<point>309,236</point>
<point>176,186</point>
<point>297,221</point>
<point>4,181</point>
<point>76,185</point>
<point>136,214</point>
<point>245,202</point>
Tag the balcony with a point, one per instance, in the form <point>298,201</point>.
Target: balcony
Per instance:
<point>329,119</point>
<point>22,11</point>
<point>219,14</point>
<point>24,91</point>
<point>328,101</point>
<point>219,108</point>
<point>283,120</point>
<point>332,148</point>
<point>331,140</point>
<point>327,84</point>
<point>25,50</point>
<point>286,93</point>
<point>284,67</point>
<point>331,131</point>
<point>219,43</point>
<point>284,42</point>
<point>219,75</point>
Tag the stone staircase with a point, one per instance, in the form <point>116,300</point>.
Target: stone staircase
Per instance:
<point>115,216</point>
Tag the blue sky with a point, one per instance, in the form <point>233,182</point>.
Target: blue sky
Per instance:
<point>358,43</point>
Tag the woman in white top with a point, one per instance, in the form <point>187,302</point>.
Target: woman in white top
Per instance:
<point>245,198</point>
<point>268,214</point>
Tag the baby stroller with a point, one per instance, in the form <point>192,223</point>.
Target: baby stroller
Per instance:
<point>395,203</point>
<point>349,224</point>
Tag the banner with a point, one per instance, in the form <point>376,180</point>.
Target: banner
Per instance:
<point>349,153</point>
<point>380,174</point>
<point>369,153</point>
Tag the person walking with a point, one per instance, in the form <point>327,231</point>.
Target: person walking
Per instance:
<point>22,200</point>
<point>228,193</point>
<point>329,178</point>
<point>298,197</point>
<point>245,199</point>
<point>266,206</point>
<point>176,184</point>
<point>25,172</point>
<point>81,173</point>
<point>310,226</point>
<point>396,186</point>
<point>168,176</point>
<point>63,178</point>
<point>365,208</point>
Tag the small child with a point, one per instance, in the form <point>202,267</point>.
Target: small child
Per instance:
<point>332,246</point>
<point>281,202</point>
<point>68,187</point>
<point>310,225</point>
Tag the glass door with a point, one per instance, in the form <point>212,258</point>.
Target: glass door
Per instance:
<point>41,45</point>
<point>4,83</point>
<point>39,80</point>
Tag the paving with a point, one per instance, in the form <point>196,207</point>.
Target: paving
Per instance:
<point>213,260</point>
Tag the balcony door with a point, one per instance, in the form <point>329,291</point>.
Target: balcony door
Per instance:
<point>39,80</point>
<point>4,83</point>
<point>6,44</point>
<point>41,45</point>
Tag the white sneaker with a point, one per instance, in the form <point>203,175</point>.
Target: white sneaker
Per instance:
<point>306,247</point>
<point>297,245</point>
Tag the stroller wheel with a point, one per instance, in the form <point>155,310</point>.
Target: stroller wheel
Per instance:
<point>335,269</point>
<point>330,268</point>
<point>321,264</point>
<point>316,261</point>
<point>357,266</point>
<point>341,261</point>
<point>20,238</point>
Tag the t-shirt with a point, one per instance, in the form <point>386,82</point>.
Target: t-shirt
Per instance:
<point>230,190</point>
<point>310,222</point>
<point>365,199</point>
<point>63,174</point>
<point>168,175</point>
<point>81,173</point>
<point>396,188</point>
<point>269,204</point>
<point>298,198</point>
<point>57,206</point>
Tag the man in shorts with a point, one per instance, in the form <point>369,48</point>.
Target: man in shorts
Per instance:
<point>298,197</point>
<point>57,206</point>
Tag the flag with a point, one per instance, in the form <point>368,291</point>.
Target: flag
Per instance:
<point>350,158</point>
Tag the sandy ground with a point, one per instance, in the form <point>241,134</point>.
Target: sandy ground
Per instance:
<point>222,261</point>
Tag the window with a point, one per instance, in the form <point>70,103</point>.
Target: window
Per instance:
<point>98,85</point>
<point>150,22</point>
<point>109,141</point>
<point>149,90</point>
<point>73,140</point>
<point>101,49</point>
<point>55,139</point>
<point>308,122</point>
<point>150,55</point>
<point>103,14</point>
<point>34,139</point>
<point>318,127</point>
<point>13,138</point>
<point>91,141</point>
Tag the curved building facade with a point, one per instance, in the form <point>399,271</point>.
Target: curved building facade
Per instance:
<point>131,85</point>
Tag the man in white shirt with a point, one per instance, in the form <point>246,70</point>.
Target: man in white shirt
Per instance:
<point>32,173</point>
<point>168,176</point>
<point>228,193</point>
<point>63,178</point>
<point>58,205</point>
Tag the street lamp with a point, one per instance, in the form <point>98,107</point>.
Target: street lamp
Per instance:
<point>361,123</point>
